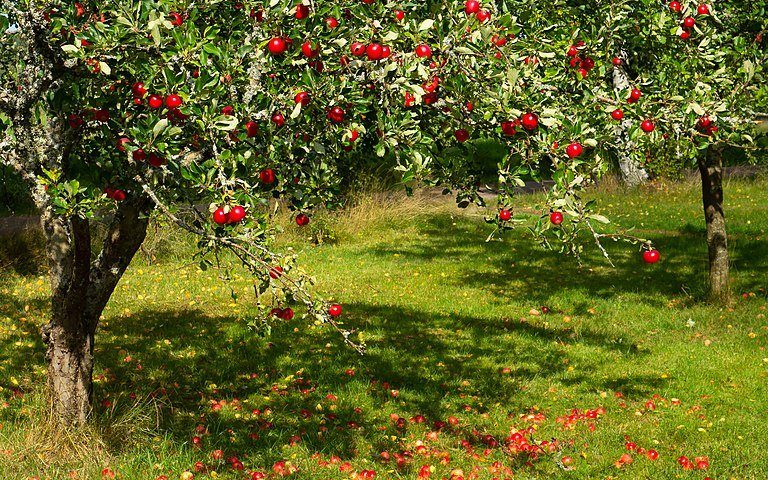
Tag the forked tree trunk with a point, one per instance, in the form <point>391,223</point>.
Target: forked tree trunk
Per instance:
<point>81,288</point>
<point>711,169</point>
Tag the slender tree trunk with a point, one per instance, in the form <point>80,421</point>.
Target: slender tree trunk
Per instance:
<point>711,169</point>
<point>81,288</point>
<point>632,173</point>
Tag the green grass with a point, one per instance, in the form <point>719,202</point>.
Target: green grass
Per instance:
<point>450,328</point>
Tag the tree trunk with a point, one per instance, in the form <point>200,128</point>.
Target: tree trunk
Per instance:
<point>632,173</point>
<point>70,369</point>
<point>711,169</point>
<point>81,289</point>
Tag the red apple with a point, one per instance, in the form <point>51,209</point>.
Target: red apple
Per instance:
<point>278,119</point>
<point>155,101</point>
<point>121,143</point>
<point>651,256</point>
<point>302,11</point>
<point>703,9</point>
<point>483,16</point>
<point>302,220</point>
<point>689,22</point>
<point>219,216</point>
<point>267,176</point>
<point>277,46</point>
<point>173,101</point>
<point>374,52</point>
<point>635,94</point>
<point>574,150</point>
<point>336,114</point>
<point>617,114</point>
<point>461,135</point>
<point>156,160</point>
<point>309,50</point>
<point>508,128</point>
<point>303,98</point>
<point>423,51</point>
<point>276,272</point>
<point>530,121</point>
<point>471,7</point>
<point>505,214</point>
<point>399,15</point>
<point>236,214</point>
<point>176,19</point>
<point>357,49</point>
<point>675,6</point>
<point>647,126</point>
<point>556,218</point>
<point>334,310</point>
<point>251,129</point>
<point>139,90</point>
<point>331,22</point>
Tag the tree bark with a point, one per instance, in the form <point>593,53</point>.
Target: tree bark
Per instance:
<point>81,289</point>
<point>711,169</point>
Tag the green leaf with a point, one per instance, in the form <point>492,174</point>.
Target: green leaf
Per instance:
<point>160,126</point>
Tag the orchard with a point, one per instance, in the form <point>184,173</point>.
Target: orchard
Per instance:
<point>211,113</point>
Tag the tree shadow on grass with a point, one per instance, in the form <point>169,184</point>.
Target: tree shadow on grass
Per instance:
<point>528,274</point>
<point>434,364</point>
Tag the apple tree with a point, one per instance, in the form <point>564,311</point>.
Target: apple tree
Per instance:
<point>113,111</point>
<point>696,76</point>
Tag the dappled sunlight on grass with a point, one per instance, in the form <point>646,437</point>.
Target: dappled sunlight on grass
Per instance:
<point>478,354</point>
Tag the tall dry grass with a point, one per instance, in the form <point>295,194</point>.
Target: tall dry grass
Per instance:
<point>37,444</point>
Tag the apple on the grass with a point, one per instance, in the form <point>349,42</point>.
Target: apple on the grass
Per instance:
<point>302,220</point>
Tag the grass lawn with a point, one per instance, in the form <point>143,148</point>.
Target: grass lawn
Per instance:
<point>455,334</point>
